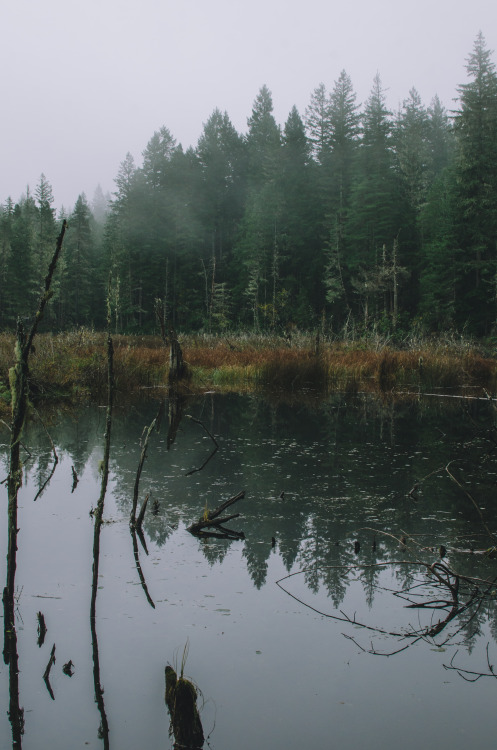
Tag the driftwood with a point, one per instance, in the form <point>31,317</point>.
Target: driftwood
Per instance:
<point>181,701</point>
<point>211,520</point>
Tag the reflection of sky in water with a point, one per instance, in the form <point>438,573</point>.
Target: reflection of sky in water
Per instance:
<point>274,673</point>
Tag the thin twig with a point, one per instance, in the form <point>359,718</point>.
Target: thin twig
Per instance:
<point>477,507</point>
<point>193,471</point>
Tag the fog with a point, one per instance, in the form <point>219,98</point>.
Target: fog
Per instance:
<point>84,83</point>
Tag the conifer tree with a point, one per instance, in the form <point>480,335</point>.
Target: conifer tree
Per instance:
<point>318,124</point>
<point>79,284</point>
<point>339,170</point>
<point>300,258</point>
<point>375,207</point>
<point>476,192</point>
<point>258,238</point>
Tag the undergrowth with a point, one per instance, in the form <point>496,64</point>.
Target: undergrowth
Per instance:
<point>73,364</point>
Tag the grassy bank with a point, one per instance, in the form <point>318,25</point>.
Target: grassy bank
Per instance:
<point>72,365</point>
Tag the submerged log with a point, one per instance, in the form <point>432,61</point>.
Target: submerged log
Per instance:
<point>212,520</point>
<point>181,701</point>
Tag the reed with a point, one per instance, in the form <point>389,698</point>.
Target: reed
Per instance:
<point>73,364</point>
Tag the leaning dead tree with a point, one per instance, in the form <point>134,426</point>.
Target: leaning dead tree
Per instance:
<point>19,387</point>
<point>211,523</point>
<point>143,455</point>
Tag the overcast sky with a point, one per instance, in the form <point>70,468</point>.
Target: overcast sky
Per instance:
<point>84,82</point>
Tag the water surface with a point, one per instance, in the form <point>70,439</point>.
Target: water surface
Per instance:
<point>331,488</point>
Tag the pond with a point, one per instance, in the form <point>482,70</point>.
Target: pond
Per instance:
<point>373,505</point>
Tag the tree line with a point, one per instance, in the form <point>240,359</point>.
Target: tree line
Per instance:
<point>347,218</point>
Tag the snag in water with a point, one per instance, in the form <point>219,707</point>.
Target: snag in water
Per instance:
<point>181,701</point>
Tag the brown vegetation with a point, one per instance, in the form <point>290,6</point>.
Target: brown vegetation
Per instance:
<point>74,364</point>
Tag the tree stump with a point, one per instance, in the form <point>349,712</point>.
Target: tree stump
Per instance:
<point>181,701</point>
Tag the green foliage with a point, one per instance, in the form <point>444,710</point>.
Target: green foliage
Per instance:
<point>350,216</point>
<point>5,395</point>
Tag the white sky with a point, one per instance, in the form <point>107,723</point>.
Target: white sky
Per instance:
<point>85,81</point>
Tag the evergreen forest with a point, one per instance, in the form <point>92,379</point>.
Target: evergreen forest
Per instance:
<point>349,218</point>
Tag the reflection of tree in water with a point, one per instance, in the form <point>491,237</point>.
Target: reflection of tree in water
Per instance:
<point>438,606</point>
<point>257,556</point>
<point>215,550</point>
<point>492,621</point>
<point>371,554</point>
<point>10,657</point>
<point>288,548</point>
<point>314,477</point>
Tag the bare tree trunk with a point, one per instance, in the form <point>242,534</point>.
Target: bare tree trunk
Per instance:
<point>177,368</point>
<point>19,386</point>
<point>395,283</point>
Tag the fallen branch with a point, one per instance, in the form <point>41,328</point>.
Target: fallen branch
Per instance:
<point>216,447</point>
<point>451,607</point>
<point>477,507</point>
<point>470,675</point>
<point>412,492</point>
<point>211,520</point>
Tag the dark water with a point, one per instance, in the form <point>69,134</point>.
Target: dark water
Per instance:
<point>278,665</point>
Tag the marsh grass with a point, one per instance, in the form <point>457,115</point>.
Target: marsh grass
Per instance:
<point>73,364</point>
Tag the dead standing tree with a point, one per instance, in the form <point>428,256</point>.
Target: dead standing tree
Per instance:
<point>98,516</point>
<point>19,386</point>
<point>178,369</point>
